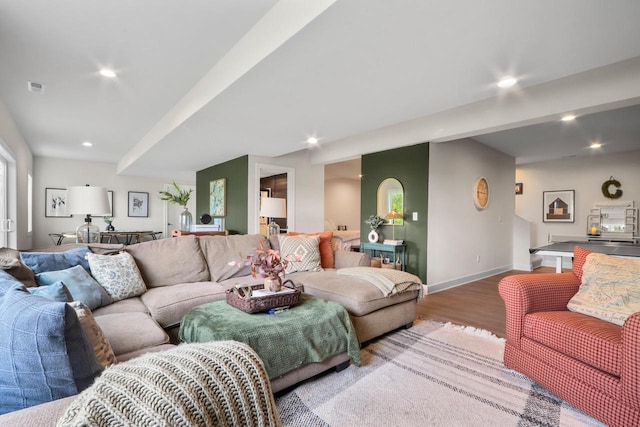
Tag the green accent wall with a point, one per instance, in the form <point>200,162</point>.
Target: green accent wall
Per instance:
<point>410,166</point>
<point>236,172</point>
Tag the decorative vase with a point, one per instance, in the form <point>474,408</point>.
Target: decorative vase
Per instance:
<point>185,220</point>
<point>110,227</point>
<point>273,284</point>
<point>373,236</point>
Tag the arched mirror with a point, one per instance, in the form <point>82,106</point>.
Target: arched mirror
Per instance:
<point>391,198</point>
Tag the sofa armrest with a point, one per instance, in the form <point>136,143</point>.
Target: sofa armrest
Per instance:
<point>630,369</point>
<point>344,259</point>
<point>530,293</point>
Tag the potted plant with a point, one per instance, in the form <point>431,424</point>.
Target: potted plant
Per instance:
<point>269,264</point>
<point>374,222</point>
<point>109,220</point>
<point>180,197</point>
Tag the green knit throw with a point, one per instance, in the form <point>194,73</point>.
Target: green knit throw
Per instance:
<point>222,383</point>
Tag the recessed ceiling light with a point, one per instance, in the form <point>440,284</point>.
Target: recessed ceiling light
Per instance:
<point>568,118</point>
<point>506,82</point>
<point>595,145</point>
<point>107,73</point>
<point>87,144</point>
<point>312,140</point>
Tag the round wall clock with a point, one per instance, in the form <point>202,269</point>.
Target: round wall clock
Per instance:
<point>481,193</point>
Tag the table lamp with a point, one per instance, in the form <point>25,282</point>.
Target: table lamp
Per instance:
<point>393,215</point>
<point>273,207</point>
<point>87,201</point>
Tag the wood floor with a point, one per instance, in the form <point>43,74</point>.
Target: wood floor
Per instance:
<point>475,304</point>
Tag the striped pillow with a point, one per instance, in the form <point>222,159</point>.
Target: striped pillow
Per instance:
<point>303,252</point>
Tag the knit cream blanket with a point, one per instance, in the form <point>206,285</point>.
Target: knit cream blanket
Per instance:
<point>212,384</point>
<point>388,280</point>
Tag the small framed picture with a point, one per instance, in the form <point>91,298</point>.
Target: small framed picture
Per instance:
<point>558,206</point>
<point>138,204</point>
<point>519,188</point>
<point>55,205</point>
<point>217,197</point>
<point>110,195</point>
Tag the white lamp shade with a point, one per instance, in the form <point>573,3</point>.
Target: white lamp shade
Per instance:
<point>88,200</point>
<point>273,207</point>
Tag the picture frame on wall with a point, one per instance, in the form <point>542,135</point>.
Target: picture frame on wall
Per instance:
<point>558,206</point>
<point>519,188</point>
<point>217,197</point>
<point>110,214</point>
<point>138,205</point>
<point>55,203</point>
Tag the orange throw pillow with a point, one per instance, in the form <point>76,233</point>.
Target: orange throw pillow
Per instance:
<point>579,258</point>
<point>326,251</point>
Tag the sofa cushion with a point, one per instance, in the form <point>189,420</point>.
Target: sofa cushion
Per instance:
<point>34,326</point>
<point>168,304</point>
<point>358,296</point>
<point>40,262</point>
<point>99,342</point>
<point>117,274</point>
<point>12,264</point>
<point>303,253</point>
<point>610,288</point>
<point>219,251</point>
<point>128,332</point>
<point>579,258</point>
<point>169,261</point>
<point>326,249</point>
<point>587,339</point>
<point>82,286</point>
<point>55,292</point>
<point>129,305</point>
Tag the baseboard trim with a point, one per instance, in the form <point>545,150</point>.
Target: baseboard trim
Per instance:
<point>442,286</point>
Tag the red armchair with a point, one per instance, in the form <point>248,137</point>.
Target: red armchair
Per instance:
<point>592,364</point>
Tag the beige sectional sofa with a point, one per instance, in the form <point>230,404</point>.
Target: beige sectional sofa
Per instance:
<point>183,272</point>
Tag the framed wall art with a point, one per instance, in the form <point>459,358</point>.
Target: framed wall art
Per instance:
<point>55,205</point>
<point>558,206</point>
<point>519,188</point>
<point>138,204</point>
<point>217,197</point>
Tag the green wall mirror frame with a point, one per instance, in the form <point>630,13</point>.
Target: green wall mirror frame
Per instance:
<point>390,197</point>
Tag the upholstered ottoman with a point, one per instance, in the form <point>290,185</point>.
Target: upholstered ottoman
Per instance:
<point>316,335</point>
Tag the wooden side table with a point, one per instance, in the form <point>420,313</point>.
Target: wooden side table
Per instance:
<point>375,249</point>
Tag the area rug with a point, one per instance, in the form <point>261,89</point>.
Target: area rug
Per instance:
<point>429,375</point>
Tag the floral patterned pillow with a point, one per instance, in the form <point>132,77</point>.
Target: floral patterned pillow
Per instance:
<point>117,274</point>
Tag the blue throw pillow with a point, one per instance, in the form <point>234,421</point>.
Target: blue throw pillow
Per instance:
<point>51,261</point>
<point>44,352</point>
<point>56,292</point>
<point>82,286</point>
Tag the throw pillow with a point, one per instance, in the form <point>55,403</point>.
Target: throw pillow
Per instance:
<point>221,251</point>
<point>326,250</point>
<point>21,272</point>
<point>579,257</point>
<point>610,288</point>
<point>117,274</point>
<point>80,283</point>
<point>40,262</point>
<point>44,353</point>
<point>55,292</point>
<point>303,251</point>
<point>100,343</point>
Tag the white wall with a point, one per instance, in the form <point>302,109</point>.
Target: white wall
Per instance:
<point>457,231</point>
<point>585,175</point>
<point>309,190</point>
<point>12,137</point>
<point>342,202</point>
<point>60,173</point>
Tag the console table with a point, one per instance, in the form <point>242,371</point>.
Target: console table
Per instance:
<point>375,249</point>
<point>127,237</point>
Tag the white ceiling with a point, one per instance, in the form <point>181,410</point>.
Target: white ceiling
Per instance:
<point>203,82</point>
